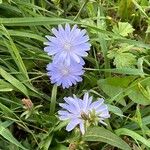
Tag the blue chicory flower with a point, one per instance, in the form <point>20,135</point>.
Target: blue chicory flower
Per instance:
<point>79,111</point>
<point>64,74</point>
<point>67,44</point>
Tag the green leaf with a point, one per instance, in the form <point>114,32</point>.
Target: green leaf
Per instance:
<point>26,34</point>
<point>6,123</point>
<point>4,132</point>
<point>32,21</point>
<point>6,110</point>
<point>16,83</point>
<point>14,53</point>
<point>114,87</point>
<point>123,28</point>
<point>102,135</point>
<point>46,140</point>
<point>102,39</point>
<point>148,29</point>
<point>123,47</point>
<point>119,87</point>
<point>126,9</point>
<point>140,8</point>
<point>128,71</point>
<point>5,86</point>
<point>115,110</point>
<point>53,100</point>
<point>134,135</point>
<point>139,44</point>
<point>122,56</point>
<point>35,7</point>
<point>117,37</point>
<point>140,93</point>
<point>60,147</point>
<point>124,60</point>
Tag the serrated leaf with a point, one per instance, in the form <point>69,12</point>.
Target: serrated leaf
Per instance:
<point>124,60</point>
<point>122,56</point>
<point>123,28</point>
<point>112,53</point>
<point>106,136</point>
<point>123,48</point>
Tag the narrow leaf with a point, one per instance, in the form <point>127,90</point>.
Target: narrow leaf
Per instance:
<point>106,136</point>
<point>134,135</point>
<point>4,132</point>
<point>30,21</point>
<point>16,83</point>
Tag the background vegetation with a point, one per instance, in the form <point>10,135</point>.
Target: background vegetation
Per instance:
<point>117,68</point>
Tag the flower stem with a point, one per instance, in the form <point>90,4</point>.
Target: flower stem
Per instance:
<point>53,100</point>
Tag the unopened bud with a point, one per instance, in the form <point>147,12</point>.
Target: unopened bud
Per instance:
<point>72,146</point>
<point>27,103</point>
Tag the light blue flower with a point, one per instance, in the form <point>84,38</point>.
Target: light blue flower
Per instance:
<point>67,44</point>
<point>78,111</point>
<point>64,74</point>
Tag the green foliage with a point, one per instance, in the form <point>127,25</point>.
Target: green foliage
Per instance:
<point>117,69</point>
<point>123,28</point>
<point>119,87</point>
<point>103,135</point>
<point>7,135</point>
<point>126,9</point>
<point>13,81</point>
<point>134,135</point>
<point>124,60</point>
<point>122,57</point>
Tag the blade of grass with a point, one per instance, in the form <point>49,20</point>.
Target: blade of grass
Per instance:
<point>30,21</point>
<point>134,135</point>
<point>53,100</point>
<point>102,41</point>
<point>140,8</point>
<point>4,132</point>
<point>16,83</point>
<point>26,34</point>
<point>14,53</point>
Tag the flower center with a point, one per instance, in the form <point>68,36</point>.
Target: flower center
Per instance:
<point>65,71</point>
<point>84,116</point>
<point>67,46</point>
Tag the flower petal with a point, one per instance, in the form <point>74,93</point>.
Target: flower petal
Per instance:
<point>72,124</point>
<point>82,129</point>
